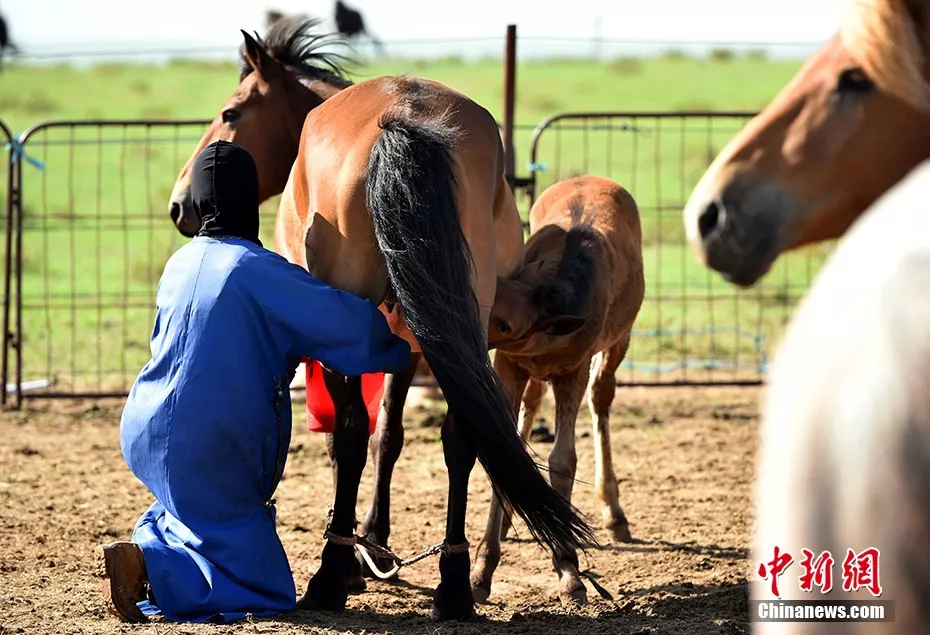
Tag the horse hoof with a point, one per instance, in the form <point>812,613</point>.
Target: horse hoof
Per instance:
<point>619,530</point>
<point>307,603</point>
<point>445,612</point>
<point>480,590</point>
<point>453,602</point>
<point>322,596</point>
<point>572,592</point>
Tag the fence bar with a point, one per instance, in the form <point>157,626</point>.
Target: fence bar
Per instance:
<point>18,267</point>
<point>8,256</point>
<point>510,88</point>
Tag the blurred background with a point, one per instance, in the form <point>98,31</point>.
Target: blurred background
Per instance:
<point>153,32</point>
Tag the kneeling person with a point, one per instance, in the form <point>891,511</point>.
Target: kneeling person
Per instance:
<point>207,423</point>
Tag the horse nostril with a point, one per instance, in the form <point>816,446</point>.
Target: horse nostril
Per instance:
<point>711,220</point>
<point>175,211</point>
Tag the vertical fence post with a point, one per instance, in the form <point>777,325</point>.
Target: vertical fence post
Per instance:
<point>17,338</point>
<point>510,80</point>
<point>8,260</point>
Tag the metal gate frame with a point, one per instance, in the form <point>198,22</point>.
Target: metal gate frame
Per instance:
<point>17,145</point>
<point>529,186</point>
<point>14,257</point>
<point>12,205</point>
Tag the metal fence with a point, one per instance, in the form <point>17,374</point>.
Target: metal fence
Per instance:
<point>88,234</point>
<point>93,232</point>
<point>693,328</point>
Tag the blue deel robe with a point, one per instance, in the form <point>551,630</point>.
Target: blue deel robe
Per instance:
<point>207,423</point>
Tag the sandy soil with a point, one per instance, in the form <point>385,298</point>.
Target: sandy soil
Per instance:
<point>684,458</point>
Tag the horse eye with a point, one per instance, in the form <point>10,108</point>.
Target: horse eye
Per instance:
<point>231,115</point>
<point>503,327</point>
<point>853,80</point>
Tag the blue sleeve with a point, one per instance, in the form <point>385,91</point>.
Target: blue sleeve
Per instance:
<point>337,328</point>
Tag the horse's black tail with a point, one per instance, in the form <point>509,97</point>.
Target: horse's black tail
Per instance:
<point>411,198</point>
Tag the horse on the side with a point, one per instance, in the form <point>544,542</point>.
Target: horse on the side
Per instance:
<point>398,195</point>
<point>844,463</point>
<point>566,318</point>
<point>6,42</point>
<point>351,25</point>
<point>852,122</point>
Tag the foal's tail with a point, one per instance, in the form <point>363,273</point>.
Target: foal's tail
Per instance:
<point>411,196</point>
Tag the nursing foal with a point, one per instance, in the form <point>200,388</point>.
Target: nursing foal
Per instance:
<point>567,316</point>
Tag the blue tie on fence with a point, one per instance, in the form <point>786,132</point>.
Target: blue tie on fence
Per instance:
<point>18,150</point>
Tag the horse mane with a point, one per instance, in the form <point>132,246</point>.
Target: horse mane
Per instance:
<point>568,292</point>
<point>886,38</point>
<point>291,42</point>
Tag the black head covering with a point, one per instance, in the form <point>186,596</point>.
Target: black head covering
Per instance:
<point>224,191</point>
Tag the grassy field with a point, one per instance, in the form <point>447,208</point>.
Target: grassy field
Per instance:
<point>96,230</point>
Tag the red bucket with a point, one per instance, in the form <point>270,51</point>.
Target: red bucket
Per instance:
<point>321,414</point>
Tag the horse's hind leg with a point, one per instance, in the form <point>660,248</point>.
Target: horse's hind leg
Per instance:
<point>568,390</point>
<point>453,599</point>
<point>488,554</point>
<point>385,446</point>
<point>328,588</point>
<point>603,388</point>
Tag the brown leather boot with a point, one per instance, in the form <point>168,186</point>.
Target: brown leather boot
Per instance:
<point>122,565</point>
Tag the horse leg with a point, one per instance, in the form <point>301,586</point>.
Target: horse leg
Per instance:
<point>356,583</point>
<point>488,555</point>
<point>385,446</point>
<point>453,599</point>
<point>568,390</point>
<point>328,588</point>
<point>532,400</point>
<point>603,388</point>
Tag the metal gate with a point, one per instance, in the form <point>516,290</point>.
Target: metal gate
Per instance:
<point>88,233</point>
<point>694,328</point>
<point>87,215</point>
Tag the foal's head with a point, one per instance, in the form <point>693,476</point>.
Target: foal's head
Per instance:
<point>549,295</point>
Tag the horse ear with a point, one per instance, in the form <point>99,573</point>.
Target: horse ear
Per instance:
<point>559,324</point>
<point>260,61</point>
<point>530,271</point>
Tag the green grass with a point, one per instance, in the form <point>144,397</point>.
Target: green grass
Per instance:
<point>97,232</point>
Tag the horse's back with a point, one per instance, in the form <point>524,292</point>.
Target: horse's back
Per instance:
<point>325,210</point>
<point>845,449</point>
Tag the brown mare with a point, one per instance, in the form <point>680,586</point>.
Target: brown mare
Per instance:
<point>853,122</point>
<point>572,304</point>
<point>282,79</point>
<point>845,455</point>
<point>398,194</point>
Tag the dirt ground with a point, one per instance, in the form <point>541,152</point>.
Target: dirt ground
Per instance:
<point>684,458</point>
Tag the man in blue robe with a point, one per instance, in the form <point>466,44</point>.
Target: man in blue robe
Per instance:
<point>207,423</point>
